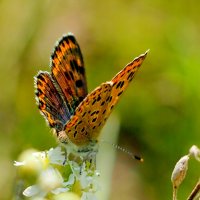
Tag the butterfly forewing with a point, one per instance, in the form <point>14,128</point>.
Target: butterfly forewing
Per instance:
<point>50,102</point>
<point>68,71</point>
<point>84,126</point>
<point>120,82</point>
<point>123,78</point>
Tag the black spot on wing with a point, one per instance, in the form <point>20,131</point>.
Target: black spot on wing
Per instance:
<point>75,133</point>
<point>80,122</point>
<point>94,119</point>
<point>102,103</point>
<point>93,113</point>
<point>130,75</point>
<point>120,84</point>
<point>71,75</point>
<point>99,98</point>
<point>119,93</point>
<point>79,83</point>
<point>82,70</point>
<point>67,76</point>
<point>74,65</point>
<point>84,114</point>
<point>94,102</point>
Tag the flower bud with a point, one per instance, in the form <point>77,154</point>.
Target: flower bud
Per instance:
<point>195,152</point>
<point>179,171</point>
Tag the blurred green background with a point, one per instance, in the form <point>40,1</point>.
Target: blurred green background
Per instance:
<point>159,113</point>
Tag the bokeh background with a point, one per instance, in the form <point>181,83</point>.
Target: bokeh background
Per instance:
<point>159,113</point>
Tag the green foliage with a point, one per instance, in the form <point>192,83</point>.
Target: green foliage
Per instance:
<point>160,110</point>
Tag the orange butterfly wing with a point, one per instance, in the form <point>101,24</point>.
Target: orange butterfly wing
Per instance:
<point>50,102</point>
<point>121,81</point>
<point>59,93</point>
<point>89,118</point>
<point>68,71</point>
<point>83,126</point>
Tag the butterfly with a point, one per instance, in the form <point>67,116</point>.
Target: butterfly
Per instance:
<point>63,99</point>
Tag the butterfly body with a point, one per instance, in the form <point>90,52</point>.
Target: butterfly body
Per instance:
<point>63,99</point>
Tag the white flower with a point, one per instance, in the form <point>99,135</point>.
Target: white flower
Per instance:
<point>60,190</point>
<point>88,196</point>
<point>31,161</point>
<point>51,168</point>
<point>56,156</point>
<point>50,179</point>
<point>70,181</point>
<point>32,190</point>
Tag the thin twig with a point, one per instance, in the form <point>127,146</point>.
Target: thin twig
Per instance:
<point>195,191</point>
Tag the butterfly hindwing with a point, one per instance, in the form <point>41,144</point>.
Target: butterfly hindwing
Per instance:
<point>50,101</point>
<point>84,126</point>
<point>68,71</point>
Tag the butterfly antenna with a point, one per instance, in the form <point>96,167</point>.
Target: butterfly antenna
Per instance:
<point>135,157</point>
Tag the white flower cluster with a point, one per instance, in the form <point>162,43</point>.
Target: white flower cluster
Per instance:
<point>57,176</point>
